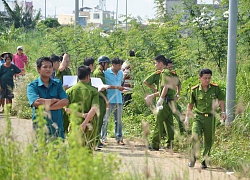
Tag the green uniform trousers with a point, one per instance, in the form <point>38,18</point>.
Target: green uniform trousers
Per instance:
<point>164,119</point>
<point>206,126</point>
<point>102,107</point>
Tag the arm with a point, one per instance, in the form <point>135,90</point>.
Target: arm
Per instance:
<point>89,117</point>
<point>63,63</point>
<point>59,104</point>
<point>189,109</point>
<point>150,86</point>
<point>222,107</point>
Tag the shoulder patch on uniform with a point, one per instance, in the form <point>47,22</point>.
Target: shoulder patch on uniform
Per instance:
<point>213,84</point>
<point>158,72</point>
<point>195,86</point>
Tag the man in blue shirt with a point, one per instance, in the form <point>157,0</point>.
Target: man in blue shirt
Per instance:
<point>114,78</point>
<point>49,93</point>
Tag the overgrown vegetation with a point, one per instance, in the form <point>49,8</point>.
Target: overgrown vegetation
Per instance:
<point>199,40</point>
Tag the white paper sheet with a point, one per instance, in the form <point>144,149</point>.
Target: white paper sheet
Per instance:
<point>97,82</point>
<point>69,80</point>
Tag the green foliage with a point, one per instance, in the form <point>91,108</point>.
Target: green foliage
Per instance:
<point>21,17</point>
<point>48,23</point>
<point>55,159</point>
<point>191,43</point>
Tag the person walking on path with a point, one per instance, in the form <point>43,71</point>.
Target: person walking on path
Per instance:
<point>164,117</point>
<point>20,59</point>
<point>114,78</point>
<point>203,99</point>
<point>7,71</point>
<point>49,93</point>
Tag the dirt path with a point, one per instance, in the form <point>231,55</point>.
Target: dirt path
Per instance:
<point>136,159</point>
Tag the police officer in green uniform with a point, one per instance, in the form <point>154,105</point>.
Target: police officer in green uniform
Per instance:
<point>202,99</point>
<point>164,117</point>
<point>87,99</point>
<point>103,62</point>
<point>63,69</point>
<point>152,81</point>
<point>169,65</point>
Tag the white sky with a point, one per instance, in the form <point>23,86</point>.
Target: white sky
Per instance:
<point>143,8</point>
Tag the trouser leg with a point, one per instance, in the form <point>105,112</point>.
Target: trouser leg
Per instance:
<point>208,130</point>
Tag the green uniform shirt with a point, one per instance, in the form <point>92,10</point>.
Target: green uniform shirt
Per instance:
<point>203,100</point>
<point>84,95</point>
<point>98,73</point>
<point>65,72</point>
<point>167,78</point>
<point>154,78</point>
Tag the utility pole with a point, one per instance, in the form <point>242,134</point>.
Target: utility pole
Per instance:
<point>45,10</point>
<point>76,12</point>
<point>116,14</point>
<point>231,61</point>
<point>126,14</point>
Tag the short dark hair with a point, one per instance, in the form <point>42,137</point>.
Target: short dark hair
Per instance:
<point>169,61</point>
<point>116,60</point>
<point>162,59</point>
<point>8,56</point>
<point>61,57</point>
<point>131,53</point>
<point>83,72</point>
<point>54,58</point>
<point>88,61</point>
<point>205,71</point>
<point>41,60</point>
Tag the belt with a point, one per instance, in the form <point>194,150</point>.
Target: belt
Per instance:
<point>205,114</point>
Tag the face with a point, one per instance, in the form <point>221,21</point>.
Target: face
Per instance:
<point>67,62</point>
<point>8,61</point>
<point>106,66</point>
<point>117,67</point>
<point>19,51</point>
<point>92,67</point>
<point>56,65</point>
<point>170,66</point>
<point>159,65</point>
<point>205,79</point>
<point>46,69</point>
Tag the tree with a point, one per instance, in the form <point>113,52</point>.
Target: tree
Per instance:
<point>21,17</point>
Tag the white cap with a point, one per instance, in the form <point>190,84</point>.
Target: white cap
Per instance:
<point>19,47</point>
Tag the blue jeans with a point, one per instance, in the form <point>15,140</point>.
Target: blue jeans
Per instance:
<point>117,110</point>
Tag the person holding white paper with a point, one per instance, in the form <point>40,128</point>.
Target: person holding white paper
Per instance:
<point>114,78</point>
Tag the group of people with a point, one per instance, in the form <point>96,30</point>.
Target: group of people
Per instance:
<point>203,100</point>
<point>93,108</point>
<point>11,66</point>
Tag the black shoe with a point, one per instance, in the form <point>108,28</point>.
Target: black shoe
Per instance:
<point>203,165</point>
<point>153,149</point>
<point>192,162</point>
<point>100,145</point>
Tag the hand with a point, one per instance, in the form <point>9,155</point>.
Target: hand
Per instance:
<point>83,126</point>
<point>65,87</point>
<point>159,102</point>
<point>120,88</point>
<point>186,122</point>
<point>85,115</point>
<point>149,99</point>
<point>223,116</point>
<point>103,89</point>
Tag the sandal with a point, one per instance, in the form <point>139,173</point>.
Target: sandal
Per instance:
<point>121,142</point>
